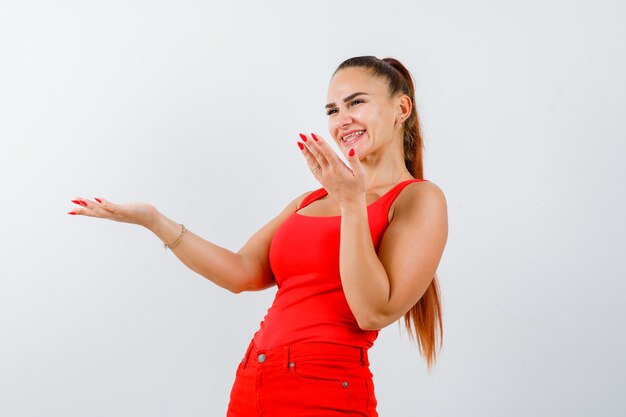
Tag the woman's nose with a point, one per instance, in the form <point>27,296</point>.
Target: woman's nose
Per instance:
<point>343,120</point>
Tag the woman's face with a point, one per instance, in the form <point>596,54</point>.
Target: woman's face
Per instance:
<point>360,112</point>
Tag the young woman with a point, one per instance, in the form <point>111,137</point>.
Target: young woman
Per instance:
<point>349,258</point>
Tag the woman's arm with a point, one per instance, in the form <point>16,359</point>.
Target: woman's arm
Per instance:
<point>381,287</point>
<point>246,270</point>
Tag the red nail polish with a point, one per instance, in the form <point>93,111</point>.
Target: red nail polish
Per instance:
<point>83,203</point>
<point>98,200</point>
<point>314,137</point>
<point>351,153</point>
<point>70,212</point>
<point>301,146</point>
<point>76,201</point>
<point>303,137</point>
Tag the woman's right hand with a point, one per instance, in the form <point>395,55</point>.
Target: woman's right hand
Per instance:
<point>136,213</point>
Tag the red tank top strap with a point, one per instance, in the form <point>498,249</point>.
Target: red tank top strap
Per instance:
<point>391,195</point>
<point>314,195</point>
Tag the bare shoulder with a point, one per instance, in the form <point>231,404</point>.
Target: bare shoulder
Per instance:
<point>292,206</point>
<point>419,196</point>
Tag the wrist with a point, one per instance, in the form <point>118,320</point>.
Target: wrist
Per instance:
<point>355,207</point>
<point>166,229</point>
<point>154,220</point>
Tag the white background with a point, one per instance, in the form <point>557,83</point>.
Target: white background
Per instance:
<point>196,107</point>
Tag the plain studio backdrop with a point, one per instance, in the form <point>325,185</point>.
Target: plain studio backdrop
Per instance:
<point>196,107</point>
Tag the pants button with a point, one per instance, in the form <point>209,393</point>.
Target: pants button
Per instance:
<point>261,357</point>
<point>345,384</point>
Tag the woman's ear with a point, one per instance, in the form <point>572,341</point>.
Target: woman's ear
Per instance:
<point>404,107</point>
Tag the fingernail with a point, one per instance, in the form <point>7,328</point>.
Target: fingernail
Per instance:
<point>303,137</point>
<point>301,146</point>
<point>351,153</point>
<point>98,200</point>
<point>76,201</point>
<point>314,137</point>
<point>70,212</point>
<point>83,203</point>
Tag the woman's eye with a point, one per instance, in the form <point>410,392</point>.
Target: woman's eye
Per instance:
<point>352,103</point>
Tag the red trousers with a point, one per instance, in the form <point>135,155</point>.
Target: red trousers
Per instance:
<point>303,380</point>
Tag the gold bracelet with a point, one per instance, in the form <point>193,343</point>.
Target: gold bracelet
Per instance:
<point>166,246</point>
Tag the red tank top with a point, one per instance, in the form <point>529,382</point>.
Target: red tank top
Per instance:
<point>310,305</point>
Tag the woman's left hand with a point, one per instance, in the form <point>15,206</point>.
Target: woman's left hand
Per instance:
<point>346,185</point>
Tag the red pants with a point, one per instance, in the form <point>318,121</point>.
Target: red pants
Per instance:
<point>303,380</point>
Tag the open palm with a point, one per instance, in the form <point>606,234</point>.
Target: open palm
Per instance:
<point>134,212</point>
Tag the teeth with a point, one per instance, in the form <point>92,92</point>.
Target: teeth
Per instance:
<point>353,135</point>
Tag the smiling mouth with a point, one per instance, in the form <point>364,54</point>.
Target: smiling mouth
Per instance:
<point>352,136</point>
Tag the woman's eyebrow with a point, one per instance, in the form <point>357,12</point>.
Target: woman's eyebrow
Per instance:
<point>348,98</point>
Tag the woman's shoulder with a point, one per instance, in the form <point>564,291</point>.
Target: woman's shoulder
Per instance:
<point>423,186</point>
<point>419,193</point>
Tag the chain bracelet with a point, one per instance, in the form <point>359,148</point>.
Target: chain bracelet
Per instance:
<point>170,246</point>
